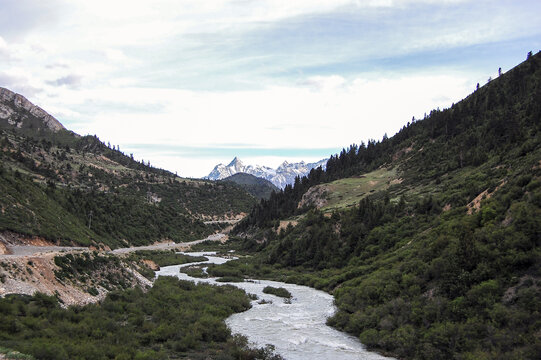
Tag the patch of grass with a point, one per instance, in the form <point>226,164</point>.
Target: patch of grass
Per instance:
<point>164,257</point>
<point>93,291</point>
<point>344,193</point>
<point>281,292</point>
<point>194,271</point>
<point>14,355</point>
<point>230,279</point>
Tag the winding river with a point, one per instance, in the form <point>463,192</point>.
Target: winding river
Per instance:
<point>296,329</point>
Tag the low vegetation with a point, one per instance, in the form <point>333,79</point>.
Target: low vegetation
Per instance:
<point>194,271</point>
<point>230,279</point>
<point>281,292</point>
<point>174,319</point>
<point>14,355</point>
<point>164,257</point>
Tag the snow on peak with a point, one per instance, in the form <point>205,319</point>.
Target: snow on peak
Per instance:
<point>235,161</point>
<point>281,176</point>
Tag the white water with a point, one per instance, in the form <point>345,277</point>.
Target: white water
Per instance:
<point>297,330</point>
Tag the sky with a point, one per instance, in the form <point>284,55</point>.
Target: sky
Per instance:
<point>188,84</point>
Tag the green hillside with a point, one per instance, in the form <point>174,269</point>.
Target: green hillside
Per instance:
<point>429,240</point>
<point>258,187</point>
<point>77,190</point>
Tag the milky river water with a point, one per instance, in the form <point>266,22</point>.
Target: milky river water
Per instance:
<point>296,329</point>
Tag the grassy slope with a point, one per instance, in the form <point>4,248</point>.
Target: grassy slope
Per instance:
<point>344,193</point>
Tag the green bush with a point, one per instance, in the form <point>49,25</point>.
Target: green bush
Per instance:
<point>281,292</point>
<point>174,319</point>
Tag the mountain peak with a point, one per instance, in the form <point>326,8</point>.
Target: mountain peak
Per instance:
<point>19,112</point>
<point>283,175</point>
<point>235,161</point>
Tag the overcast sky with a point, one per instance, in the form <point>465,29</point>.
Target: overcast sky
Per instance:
<point>187,84</point>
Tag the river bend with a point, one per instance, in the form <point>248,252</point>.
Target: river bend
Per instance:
<point>297,329</point>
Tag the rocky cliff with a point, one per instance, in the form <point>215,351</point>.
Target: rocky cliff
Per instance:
<point>17,111</point>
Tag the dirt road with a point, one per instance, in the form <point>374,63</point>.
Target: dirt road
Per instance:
<point>17,251</point>
<point>170,245</point>
<point>30,268</point>
<point>25,250</point>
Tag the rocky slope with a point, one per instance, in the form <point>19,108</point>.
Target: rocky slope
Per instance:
<point>281,176</point>
<point>17,111</point>
<point>40,272</point>
<point>78,275</point>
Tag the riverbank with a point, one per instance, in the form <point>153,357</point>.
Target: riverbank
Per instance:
<point>296,327</point>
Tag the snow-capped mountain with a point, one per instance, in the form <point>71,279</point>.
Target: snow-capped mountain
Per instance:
<point>281,176</point>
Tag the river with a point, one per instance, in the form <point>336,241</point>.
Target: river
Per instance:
<point>296,329</point>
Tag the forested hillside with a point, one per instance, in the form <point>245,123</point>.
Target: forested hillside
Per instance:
<point>258,187</point>
<point>498,121</point>
<point>429,240</point>
<point>77,190</point>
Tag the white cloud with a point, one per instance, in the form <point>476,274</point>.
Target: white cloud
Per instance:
<point>116,55</point>
<point>71,80</point>
<point>276,117</point>
<point>149,72</point>
<point>331,82</point>
<point>4,52</point>
<point>138,23</point>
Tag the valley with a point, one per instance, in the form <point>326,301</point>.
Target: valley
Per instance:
<point>302,315</point>
<point>428,241</point>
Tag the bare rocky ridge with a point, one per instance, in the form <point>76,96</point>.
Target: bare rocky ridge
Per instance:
<point>30,274</point>
<point>3,249</point>
<point>315,196</point>
<point>11,103</point>
<point>27,266</point>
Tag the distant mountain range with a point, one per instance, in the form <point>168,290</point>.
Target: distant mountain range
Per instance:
<point>281,176</point>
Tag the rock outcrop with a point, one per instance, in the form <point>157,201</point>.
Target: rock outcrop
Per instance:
<point>16,109</point>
